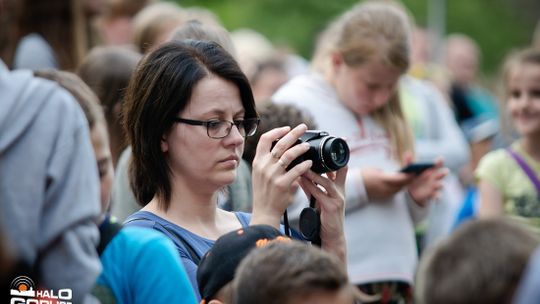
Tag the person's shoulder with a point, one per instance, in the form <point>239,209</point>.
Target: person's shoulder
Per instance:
<point>496,156</point>
<point>493,164</point>
<point>34,52</point>
<point>33,41</point>
<point>141,237</point>
<point>303,84</point>
<point>142,219</point>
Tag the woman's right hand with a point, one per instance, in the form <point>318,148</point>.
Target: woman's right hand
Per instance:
<point>271,181</point>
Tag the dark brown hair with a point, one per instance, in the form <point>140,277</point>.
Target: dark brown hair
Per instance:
<point>161,88</point>
<point>107,71</point>
<point>79,90</point>
<point>60,22</point>
<point>280,271</point>
<point>274,116</point>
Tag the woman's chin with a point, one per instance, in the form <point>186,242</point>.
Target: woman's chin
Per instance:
<point>227,178</point>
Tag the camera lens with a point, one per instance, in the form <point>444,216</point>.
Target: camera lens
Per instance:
<point>335,153</point>
<point>328,153</point>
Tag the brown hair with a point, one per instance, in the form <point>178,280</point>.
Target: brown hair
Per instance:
<point>60,22</point>
<point>280,271</point>
<point>107,71</point>
<point>160,88</point>
<point>119,8</point>
<point>78,89</point>
<point>273,116</point>
<point>152,21</point>
<point>372,30</point>
<point>480,263</point>
<point>196,30</point>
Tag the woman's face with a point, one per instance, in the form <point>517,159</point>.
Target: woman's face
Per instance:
<point>193,156</point>
<point>524,98</point>
<point>365,88</point>
<point>100,143</point>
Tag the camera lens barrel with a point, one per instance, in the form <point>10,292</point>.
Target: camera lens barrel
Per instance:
<point>334,153</point>
<point>328,153</point>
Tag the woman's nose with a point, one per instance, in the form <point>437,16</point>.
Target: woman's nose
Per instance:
<point>235,135</point>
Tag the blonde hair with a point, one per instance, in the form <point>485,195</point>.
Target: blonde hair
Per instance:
<point>373,30</point>
<point>196,30</point>
<point>154,20</point>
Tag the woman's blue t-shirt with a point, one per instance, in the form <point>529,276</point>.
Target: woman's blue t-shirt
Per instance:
<point>182,238</point>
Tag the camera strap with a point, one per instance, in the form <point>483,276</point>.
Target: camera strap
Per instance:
<point>286,224</point>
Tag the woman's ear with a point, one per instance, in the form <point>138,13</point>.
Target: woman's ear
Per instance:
<point>214,301</point>
<point>164,143</point>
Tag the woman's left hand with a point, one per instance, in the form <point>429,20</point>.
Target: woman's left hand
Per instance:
<point>329,192</point>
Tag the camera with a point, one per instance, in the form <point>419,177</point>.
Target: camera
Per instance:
<point>328,153</point>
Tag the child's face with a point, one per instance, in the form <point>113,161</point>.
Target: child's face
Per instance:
<point>100,143</point>
<point>366,88</point>
<point>523,102</point>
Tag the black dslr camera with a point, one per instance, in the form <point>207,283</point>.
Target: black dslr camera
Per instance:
<point>328,153</point>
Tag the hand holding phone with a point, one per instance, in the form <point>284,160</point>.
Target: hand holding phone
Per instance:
<point>417,168</point>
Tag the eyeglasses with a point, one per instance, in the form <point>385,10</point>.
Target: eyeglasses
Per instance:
<point>221,128</point>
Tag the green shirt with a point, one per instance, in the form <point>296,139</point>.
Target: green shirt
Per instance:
<point>520,197</point>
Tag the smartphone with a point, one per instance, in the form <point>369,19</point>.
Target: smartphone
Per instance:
<point>416,168</point>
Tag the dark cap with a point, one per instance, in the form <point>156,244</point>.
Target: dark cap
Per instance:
<point>219,264</point>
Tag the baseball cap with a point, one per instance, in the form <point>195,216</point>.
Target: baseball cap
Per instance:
<point>218,265</point>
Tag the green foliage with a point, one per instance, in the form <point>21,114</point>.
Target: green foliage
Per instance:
<point>496,25</point>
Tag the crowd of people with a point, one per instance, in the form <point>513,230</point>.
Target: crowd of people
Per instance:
<point>149,155</point>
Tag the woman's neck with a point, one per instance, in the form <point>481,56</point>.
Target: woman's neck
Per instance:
<point>531,146</point>
<point>196,211</point>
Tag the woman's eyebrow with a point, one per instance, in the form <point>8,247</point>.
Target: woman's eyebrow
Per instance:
<point>218,111</point>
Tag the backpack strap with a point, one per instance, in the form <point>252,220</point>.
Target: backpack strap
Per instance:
<point>528,171</point>
<point>191,251</point>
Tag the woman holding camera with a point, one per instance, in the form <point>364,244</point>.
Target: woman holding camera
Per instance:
<point>352,93</point>
<point>187,112</point>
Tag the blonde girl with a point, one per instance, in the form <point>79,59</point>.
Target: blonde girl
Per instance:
<point>508,178</point>
<point>352,93</point>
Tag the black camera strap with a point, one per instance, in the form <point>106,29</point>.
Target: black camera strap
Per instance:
<point>286,224</point>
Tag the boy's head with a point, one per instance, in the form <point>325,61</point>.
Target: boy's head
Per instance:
<point>218,266</point>
<point>480,263</point>
<point>291,272</point>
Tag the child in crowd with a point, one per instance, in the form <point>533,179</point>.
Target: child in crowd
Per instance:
<point>481,263</point>
<point>508,178</point>
<point>292,272</point>
<point>216,270</point>
<point>352,94</point>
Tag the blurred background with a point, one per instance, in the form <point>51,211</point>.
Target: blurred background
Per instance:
<point>496,25</point>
